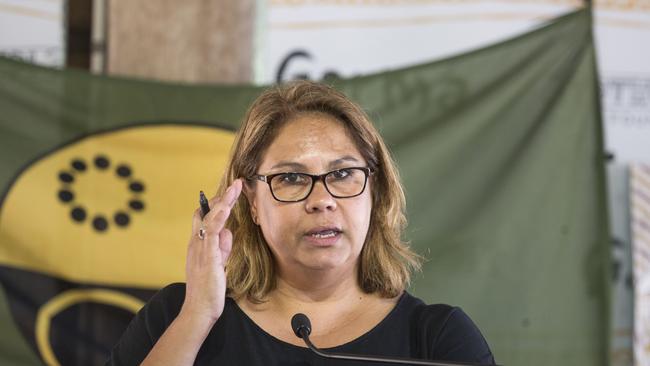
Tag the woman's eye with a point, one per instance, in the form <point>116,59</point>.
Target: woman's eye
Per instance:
<point>292,178</point>
<point>341,174</point>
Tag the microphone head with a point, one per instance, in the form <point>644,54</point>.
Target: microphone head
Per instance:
<point>300,322</point>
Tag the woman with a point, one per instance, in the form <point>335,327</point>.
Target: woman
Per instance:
<point>317,231</point>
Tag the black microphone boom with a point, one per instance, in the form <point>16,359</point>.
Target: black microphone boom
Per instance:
<point>302,328</point>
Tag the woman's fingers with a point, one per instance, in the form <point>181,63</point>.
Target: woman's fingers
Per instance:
<point>217,241</point>
<point>220,208</point>
<point>228,198</point>
<point>207,256</point>
<point>216,223</point>
<point>225,244</point>
<point>196,221</point>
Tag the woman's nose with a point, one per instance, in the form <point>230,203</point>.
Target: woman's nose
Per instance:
<point>320,199</point>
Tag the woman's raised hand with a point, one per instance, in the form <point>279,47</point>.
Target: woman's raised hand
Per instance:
<point>205,292</point>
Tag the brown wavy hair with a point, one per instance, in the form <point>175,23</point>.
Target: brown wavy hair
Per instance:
<point>386,262</point>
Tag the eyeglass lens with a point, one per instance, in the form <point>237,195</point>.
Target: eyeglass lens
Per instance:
<point>296,186</point>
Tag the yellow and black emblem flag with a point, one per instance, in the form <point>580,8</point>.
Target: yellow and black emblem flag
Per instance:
<point>96,226</point>
<point>500,152</point>
<point>97,216</point>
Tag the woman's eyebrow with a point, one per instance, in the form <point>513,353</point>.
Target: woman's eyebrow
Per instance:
<point>337,162</point>
<point>295,166</point>
<point>289,164</point>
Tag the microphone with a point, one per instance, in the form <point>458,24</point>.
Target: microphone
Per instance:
<point>302,329</point>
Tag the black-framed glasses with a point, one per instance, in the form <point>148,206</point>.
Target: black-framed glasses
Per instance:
<point>295,187</point>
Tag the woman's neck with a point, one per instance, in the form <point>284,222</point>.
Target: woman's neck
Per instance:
<point>312,289</point>
<point>337,307</point>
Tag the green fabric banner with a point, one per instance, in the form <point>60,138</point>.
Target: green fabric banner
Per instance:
<point>500,152</point>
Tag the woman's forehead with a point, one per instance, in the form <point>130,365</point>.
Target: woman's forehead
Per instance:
<point>296,165</point>
<point>312,139</point>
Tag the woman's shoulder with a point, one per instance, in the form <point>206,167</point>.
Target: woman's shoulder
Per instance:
<point>446,332</point>
<point>168,299</point>
<point>428,315</point>
<point>420,316</point>
<point>414,304</point>
<point>171,291</point>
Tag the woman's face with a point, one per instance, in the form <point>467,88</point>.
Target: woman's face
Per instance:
<point>320,232</point>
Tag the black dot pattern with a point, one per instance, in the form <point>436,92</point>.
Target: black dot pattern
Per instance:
<point>79,165</point>
<point>66,177</point>
<point>136,187</point>
<point>122,219</point>
<point>78,214</point>
<point>137,205</point>
<point>66,195</point>
<point>122,216</point>
<point>123,171</point>
<point>102,162</point>
<point>100,223</point>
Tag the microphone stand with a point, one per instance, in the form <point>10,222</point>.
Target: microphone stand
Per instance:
<point>302,328</point>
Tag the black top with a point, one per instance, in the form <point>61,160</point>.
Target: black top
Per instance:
<point>412,329</point>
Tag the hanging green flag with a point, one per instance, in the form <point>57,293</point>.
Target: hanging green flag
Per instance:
<point>500,151</point>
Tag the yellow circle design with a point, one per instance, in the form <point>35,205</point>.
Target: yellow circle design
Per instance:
<point>69,298</point>
<point>173,162</point>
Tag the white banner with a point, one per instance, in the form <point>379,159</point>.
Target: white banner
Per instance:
<point>33,31</point>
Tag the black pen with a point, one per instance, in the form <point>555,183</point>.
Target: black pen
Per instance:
<point>205,208</point>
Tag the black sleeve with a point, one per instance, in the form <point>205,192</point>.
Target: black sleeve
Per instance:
<point>147,326</point>
<point>460,340</point>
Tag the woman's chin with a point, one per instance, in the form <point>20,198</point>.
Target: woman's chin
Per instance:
<point>324,262</point>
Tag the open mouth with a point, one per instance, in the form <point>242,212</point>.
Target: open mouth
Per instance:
<point>325,234</point>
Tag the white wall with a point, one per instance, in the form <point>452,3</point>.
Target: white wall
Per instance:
<point>33,30</point>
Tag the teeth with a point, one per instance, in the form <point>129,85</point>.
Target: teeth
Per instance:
<point>324,234</point>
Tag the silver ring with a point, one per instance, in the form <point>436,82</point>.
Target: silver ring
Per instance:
<point>201,233</point>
